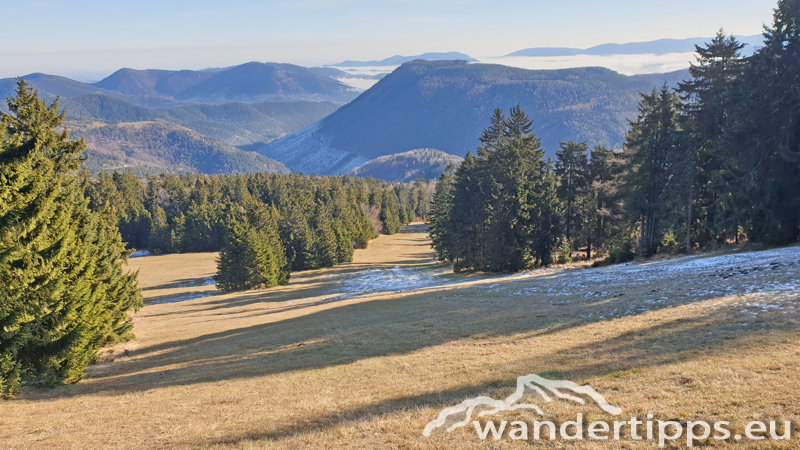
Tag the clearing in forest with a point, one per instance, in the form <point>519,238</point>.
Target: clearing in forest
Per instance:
<point>364,355</point>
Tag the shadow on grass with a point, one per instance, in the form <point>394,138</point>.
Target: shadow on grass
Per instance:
<point>353,332</point>
<point>691,342</point>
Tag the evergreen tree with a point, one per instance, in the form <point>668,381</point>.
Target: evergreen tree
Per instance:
<point>572,170</point>
<point>500,212</point>
<point>159,239</point>
<point>718,66</point>
<point>63,292</point>
<point>760,179</point>
<point>441,209</point>
<point>252,256</point>
<point>326,250</point>
<point>604,192</point>
<point>653,149</point>
<point>388,214</point>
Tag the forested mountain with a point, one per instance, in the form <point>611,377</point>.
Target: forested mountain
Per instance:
<point>446,104</point>
<point>408,166</point>
<point>152,82</point>
<point>237,124</point>
<point>257,82</point>
<point>398,59</point>
<point>51,86</point>
<point>657,47</point>
<point>163,147</point>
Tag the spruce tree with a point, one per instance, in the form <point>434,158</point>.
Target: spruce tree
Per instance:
<point>653,147</point>
<point>572,170</point>
<point>760,179</point>
<point>252,255</point>
<point>159,239</point>
<point>63,291</point>
<point>719,65</point>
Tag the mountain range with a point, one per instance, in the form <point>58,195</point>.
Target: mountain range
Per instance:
<point>398,59</point>
<point>253,82</point>
<point>446,104</point>
<point>657,47</point>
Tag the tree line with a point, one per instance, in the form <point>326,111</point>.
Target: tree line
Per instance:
<point>264,225</point>
<point>714,162</point>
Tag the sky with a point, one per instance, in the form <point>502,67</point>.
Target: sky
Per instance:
<point>90,39</point>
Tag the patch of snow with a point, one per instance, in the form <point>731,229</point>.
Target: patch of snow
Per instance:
<point>139,253</point>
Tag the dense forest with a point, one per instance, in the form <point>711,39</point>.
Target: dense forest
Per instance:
<point>715,161</point>
<point>320,220</point>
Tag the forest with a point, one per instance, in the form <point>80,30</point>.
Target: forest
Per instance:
<point>714,162</point>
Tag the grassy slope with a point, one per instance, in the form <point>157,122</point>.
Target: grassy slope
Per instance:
<point>285,368</point>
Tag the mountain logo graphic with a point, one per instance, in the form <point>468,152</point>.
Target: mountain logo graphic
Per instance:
<point>541,388</point>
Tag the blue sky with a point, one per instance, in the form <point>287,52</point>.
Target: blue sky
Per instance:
<point>89,39</point>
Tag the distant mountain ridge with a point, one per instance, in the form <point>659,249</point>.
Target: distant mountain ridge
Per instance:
<point>657,47</point>
<point>446,104</point>
<point>399,59</point>
<point>253,82</point>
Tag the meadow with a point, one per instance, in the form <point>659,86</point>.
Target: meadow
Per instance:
<point>365,354</point>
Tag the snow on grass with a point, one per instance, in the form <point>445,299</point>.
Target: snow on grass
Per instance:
<point>183,297</point>
<point>763,280</point>
<point>393,280</point>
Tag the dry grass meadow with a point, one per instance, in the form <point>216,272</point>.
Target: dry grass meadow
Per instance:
<point>364,355</point>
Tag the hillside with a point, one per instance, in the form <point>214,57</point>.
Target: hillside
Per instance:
<point>407,166</point>
<point>446,104</point>
<point>236,124</point>
<point>163,147</point>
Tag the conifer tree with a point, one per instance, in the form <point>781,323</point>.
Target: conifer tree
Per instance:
<point>760,179</point>
<point>159,239</point>
<point>63,292</point>
<point>572,167</point>
<point>500,212</point>
<point>441,208</point>
<point>326,250</point>
<point>719,65</point>
<point>252,256</point>
<point>653,148</point>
